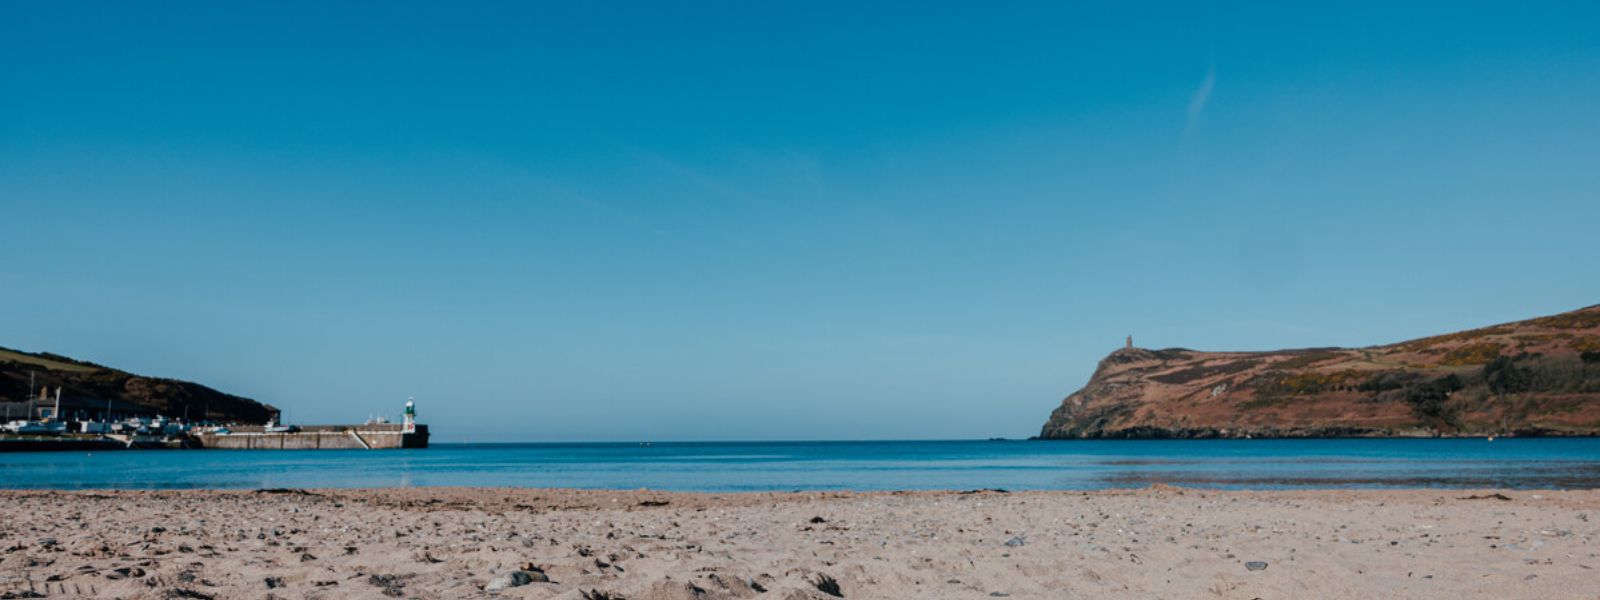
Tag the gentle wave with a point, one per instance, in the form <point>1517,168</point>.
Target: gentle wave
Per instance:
<point>782,466</point>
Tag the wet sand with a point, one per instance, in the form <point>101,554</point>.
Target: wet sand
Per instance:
<point>535,543</point>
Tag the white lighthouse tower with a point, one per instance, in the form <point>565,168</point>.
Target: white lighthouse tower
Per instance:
<point>410,425</point>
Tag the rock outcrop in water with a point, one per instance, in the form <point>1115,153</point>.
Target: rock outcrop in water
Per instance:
<point>87,386</point>
<point>1534,377</point>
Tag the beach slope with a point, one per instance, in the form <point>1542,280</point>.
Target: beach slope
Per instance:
<point>484,543</point>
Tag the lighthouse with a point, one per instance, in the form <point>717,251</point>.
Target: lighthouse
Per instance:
<point>410,425</point>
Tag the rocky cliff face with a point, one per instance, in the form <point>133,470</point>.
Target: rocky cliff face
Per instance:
<point>1534,377</point>
<point>89,386</point>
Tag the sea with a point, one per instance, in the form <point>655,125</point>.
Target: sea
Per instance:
<point>1522,463</point>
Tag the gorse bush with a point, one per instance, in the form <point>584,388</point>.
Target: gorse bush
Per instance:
<point>1577,320</point>
<point>1585,344</point>
<point>1472,354</point>
<point>1428,343</point>
<point>1303,383</point>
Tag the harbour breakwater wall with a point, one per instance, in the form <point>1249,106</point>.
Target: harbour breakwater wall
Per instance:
<point>317,437</point>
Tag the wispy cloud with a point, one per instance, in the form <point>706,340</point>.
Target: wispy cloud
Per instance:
<point>1202,95</point>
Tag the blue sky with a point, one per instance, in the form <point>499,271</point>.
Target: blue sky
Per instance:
<point>749,220</point>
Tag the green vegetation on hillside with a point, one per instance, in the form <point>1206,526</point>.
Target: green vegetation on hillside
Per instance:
<point>88,387</point>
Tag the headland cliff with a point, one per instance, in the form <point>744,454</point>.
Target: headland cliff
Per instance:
<point>1535,377</point>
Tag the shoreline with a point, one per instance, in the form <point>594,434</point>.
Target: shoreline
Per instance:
<point>447,542</point>
<point>76,443</point>
<point>1335,433</point>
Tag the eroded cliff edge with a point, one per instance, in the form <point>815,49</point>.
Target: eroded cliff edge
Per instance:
<point>1534,377</point>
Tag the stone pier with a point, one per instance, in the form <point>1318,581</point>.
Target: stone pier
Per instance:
<point>317,437</point>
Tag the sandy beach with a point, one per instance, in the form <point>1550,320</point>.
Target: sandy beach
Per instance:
<point>643,545</point>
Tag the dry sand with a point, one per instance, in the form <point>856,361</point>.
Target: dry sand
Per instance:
<point>1150,543</point>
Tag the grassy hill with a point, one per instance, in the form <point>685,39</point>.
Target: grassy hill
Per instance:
<point>1535,377</point>
<point>90,386</point>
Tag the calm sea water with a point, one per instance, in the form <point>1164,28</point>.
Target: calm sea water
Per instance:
<point>753,466</point>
